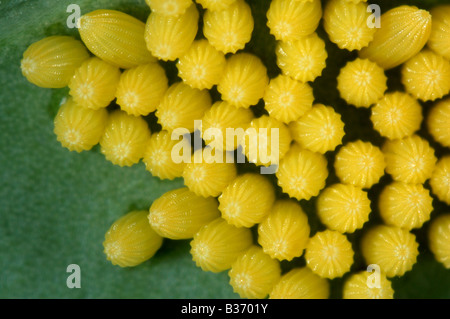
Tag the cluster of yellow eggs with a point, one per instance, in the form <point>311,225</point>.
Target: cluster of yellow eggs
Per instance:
<point>219,208</point>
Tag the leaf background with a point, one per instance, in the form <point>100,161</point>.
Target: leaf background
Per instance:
<point>56,205</point>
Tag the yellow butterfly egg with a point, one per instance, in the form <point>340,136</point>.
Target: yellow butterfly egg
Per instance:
<point>211,174</point>
<point>169,37</point>
<point>346,24</point>
<point>440,180</point>
<point>223,125</point>
<point>329,254</point>
<point>244,80</point>
<point>403,33</point>
<point>357,287</point>
<point>302,59</point>
<point>301,283</point>
<point>215,5</point>
<point>247,200</point>
<point>52,61</point>
<point>180,214</point>
<point>302,173</point>
<point>158,156</point>
<point>409,160</point>
<point>396,115</point>
<point>181,106</point>
<point>78,128</point>
<point>362,83</point>
<point>319,130</point>
<point>393,249</point>
<point>218,245</point>
<point>287,99</point>
<point>228,30</point>
<point>343,207</point>
<point>291,19</point>
<point>439,237</point>
<point>426,76</point>
<point>266,141</point>
<point>141,89</point>
<point>360,164</point>
<point>440,31</point>
<point>201,66</point>
<point>94,84</point>
<point>115,37</point>
<point>169,7</point>
<point>438,122</point>
<point>405,205</point>
<point>125,138</point>
<point>130,240</point>
<point>283,234</point>
<point>254,274</point>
